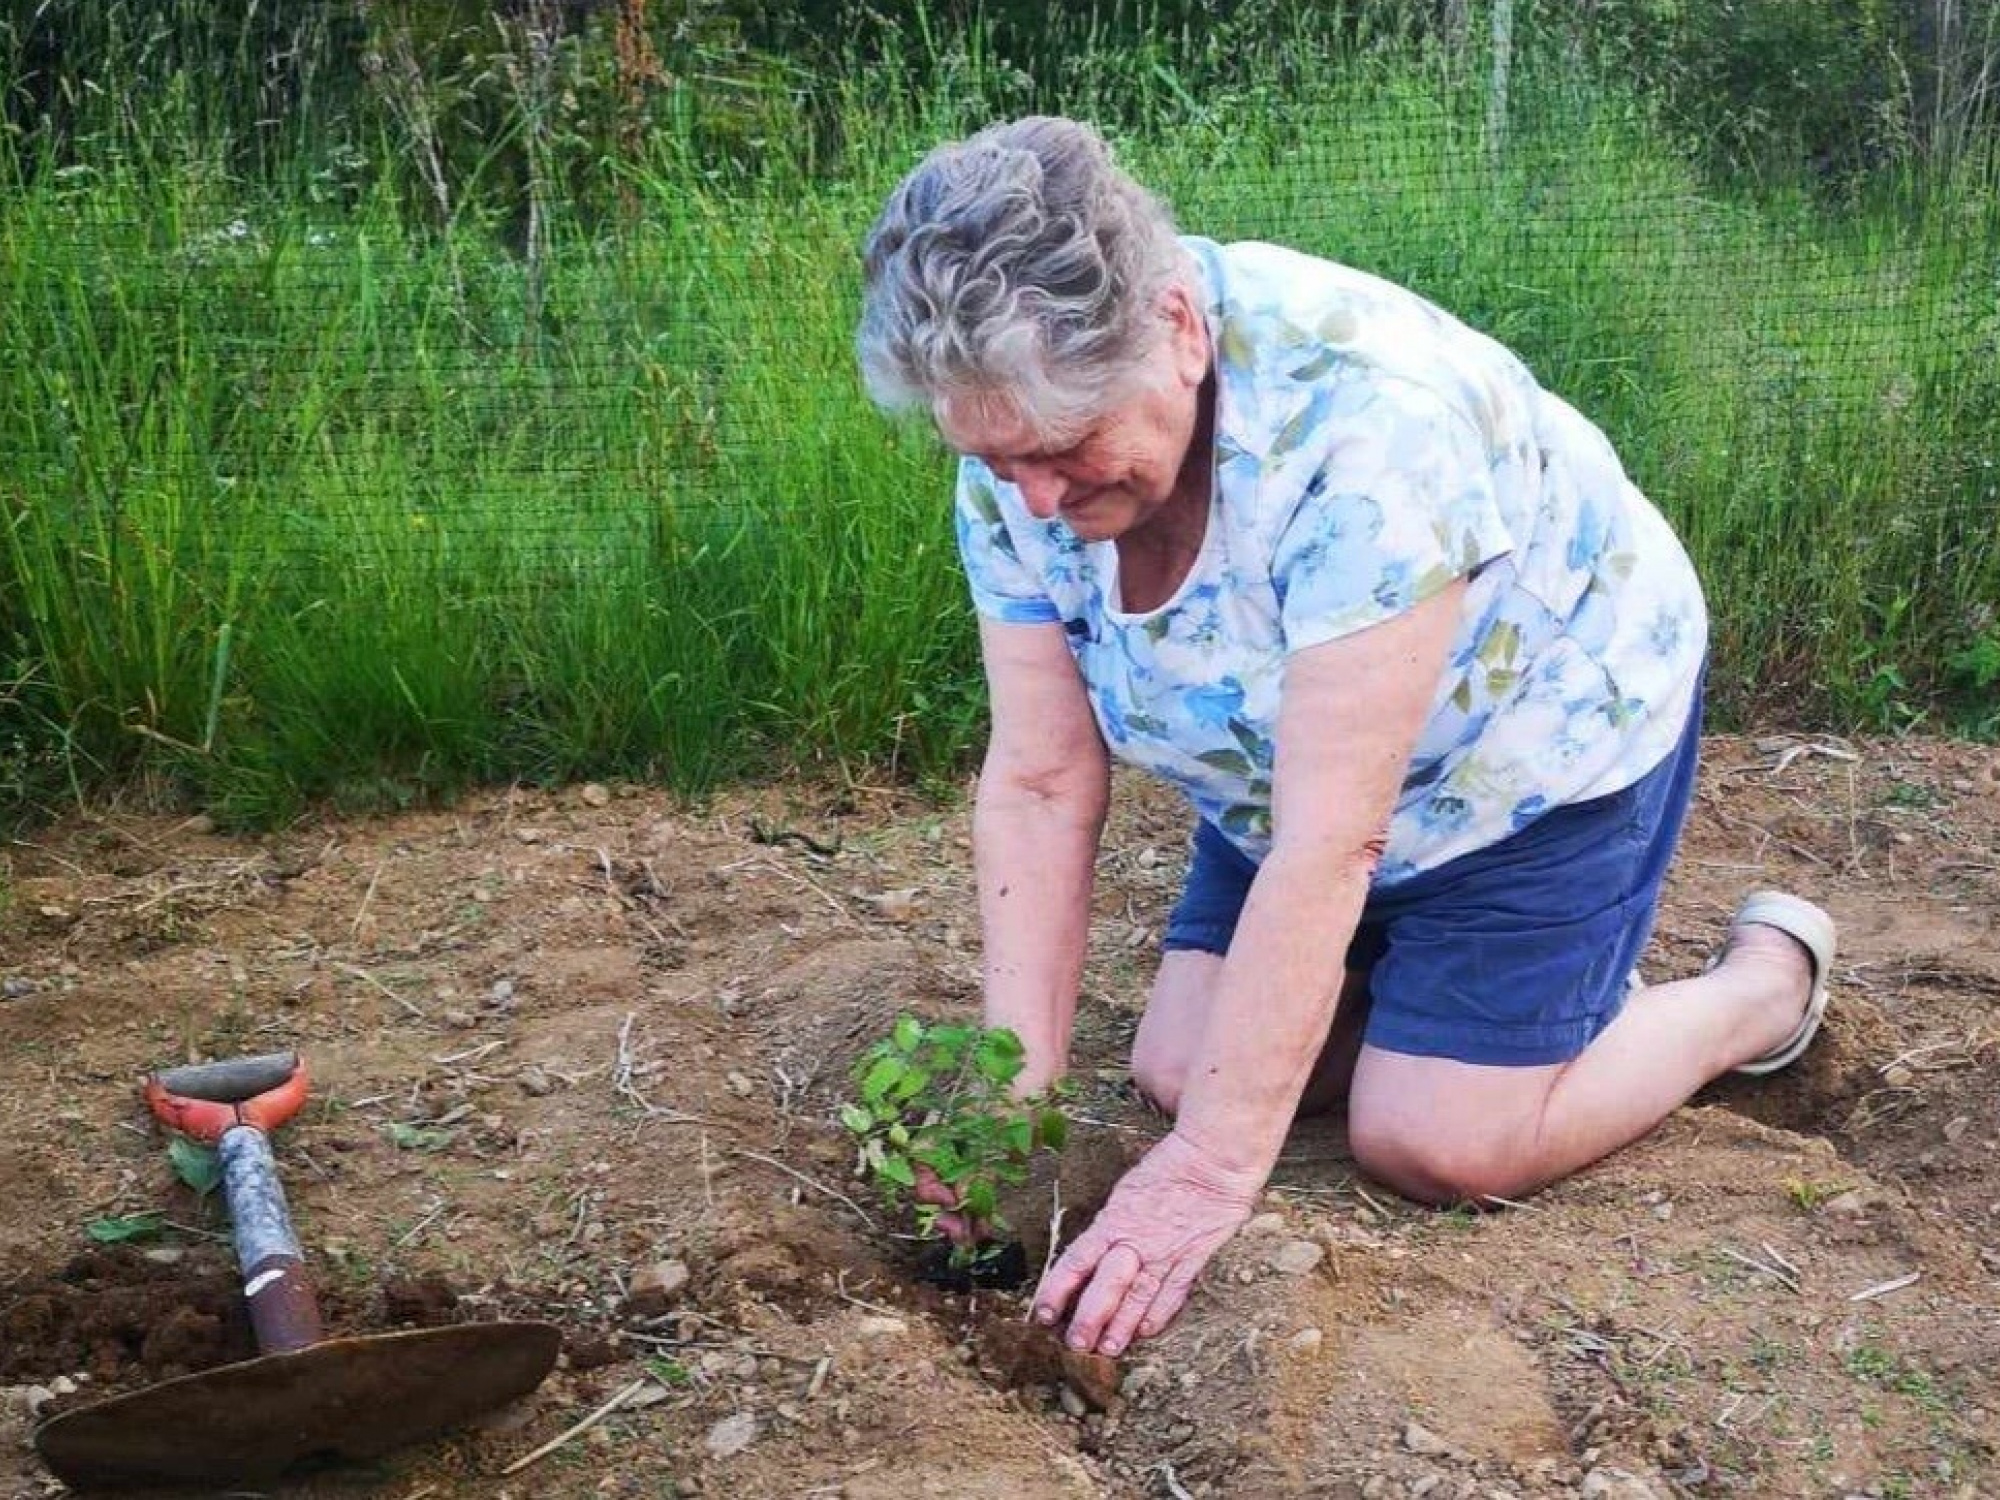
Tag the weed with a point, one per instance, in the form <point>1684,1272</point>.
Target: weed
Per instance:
<point>1807,1195</point>
<point>669,1372</point>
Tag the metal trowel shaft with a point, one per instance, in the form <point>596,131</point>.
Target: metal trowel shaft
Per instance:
<point>284,1314</point>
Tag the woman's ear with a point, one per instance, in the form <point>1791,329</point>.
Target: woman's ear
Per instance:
<point>1187,333</point>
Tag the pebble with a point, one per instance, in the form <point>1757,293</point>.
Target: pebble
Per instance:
<point>163,1255</point>
<point>534,1081</point>
<point>1072,1403</point>
<point>881,1328</point>
<point>1420,1439</point>
<point>1306,1341</point>
<point>1296,1257</point>
<point>16,989</point>
<point>1617,1484</point>
<point>595,795</point>
<point>38,1398</point>
<point>731,1435</point>
<point>740,1085</point>
<point>1422,1487</point>
<point>656,1287</point>
<point>62,1385</point>
<point>1264,1224</point>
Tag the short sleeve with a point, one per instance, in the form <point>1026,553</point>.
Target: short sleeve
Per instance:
<point>1003,586</point>
<point>1403,502</point>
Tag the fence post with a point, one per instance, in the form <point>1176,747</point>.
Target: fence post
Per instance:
<point>1496,93</point>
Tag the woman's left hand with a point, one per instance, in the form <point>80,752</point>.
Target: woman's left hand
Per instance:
<point>1131,1271</point>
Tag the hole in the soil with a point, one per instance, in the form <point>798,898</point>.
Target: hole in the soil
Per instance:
<point>1005,1269</point>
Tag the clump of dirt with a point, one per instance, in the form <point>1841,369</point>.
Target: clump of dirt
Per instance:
<point>123,1319</point>
<point>118,1318</point>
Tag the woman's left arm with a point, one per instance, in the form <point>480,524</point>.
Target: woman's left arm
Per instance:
<point>1350,715</point>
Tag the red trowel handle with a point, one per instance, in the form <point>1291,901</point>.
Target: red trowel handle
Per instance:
<point>208,1098</point>
<point>232,1105</point>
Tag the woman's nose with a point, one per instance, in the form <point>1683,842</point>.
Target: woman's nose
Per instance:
<point>1042,489</point>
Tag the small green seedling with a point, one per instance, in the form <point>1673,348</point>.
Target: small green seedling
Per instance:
<point>938,1097</point>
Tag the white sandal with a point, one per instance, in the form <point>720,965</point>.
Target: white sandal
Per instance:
<point>1813,929</point>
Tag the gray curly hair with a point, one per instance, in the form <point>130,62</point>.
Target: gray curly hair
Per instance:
<point>1019,266</point>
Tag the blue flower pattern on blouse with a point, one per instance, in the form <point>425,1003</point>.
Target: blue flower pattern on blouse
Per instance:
<point>1370,449</point>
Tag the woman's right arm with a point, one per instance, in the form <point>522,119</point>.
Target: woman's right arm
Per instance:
<point>1037,816</point>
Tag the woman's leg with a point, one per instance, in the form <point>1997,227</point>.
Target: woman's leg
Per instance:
<point>1170,1033</point>
<point>1443,1131</point>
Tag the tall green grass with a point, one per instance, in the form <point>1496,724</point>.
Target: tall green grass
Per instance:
<point>305,498</point>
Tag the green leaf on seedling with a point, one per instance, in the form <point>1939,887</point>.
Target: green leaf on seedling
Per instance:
<point>980,1201</point>
<point>898,1170</point>
<point>881,1078</point>
<point>907,1033</point>
<point>123,1229</point>
<point>999,1056</point>
<point>1052,1129</point>
<point>199,1166</point>
<point>856,1119</point>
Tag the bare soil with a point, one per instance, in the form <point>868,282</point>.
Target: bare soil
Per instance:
<point>561,1039</point>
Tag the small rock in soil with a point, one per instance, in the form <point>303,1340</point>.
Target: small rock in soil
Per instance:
<point>1072,1403</point>
<point>732,1435</point>
<point>881,1328</point>
<point>1617,1484</point>
<point>1296,1257</point>
<point>1420,1439</point>
<point>1307,1341</point>
<point>535,1082</point>
<point>595,795</point>
<point>1263,1224</point>
<point>656,1288</point>
<point>17,989</point>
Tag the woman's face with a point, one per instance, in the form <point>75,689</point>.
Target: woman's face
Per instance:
<point>1121,468</point>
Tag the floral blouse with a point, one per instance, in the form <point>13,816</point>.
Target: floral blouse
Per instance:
<point>1369,450</point>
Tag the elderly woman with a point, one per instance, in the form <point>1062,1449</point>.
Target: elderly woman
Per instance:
<point>1424,661</point>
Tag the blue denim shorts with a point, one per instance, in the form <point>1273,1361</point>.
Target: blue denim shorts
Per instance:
<point>1513,955</point>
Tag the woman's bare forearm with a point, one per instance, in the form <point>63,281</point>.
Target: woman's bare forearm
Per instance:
<point>1274,1003</point>
<point>1034,854</point>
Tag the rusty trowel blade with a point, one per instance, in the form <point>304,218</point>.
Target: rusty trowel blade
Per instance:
<point>349,1398</point>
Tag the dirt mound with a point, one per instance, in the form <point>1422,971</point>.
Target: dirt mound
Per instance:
<point>579,1055</point>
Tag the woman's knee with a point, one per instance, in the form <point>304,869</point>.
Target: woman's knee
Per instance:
<point>1433,1165</point>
